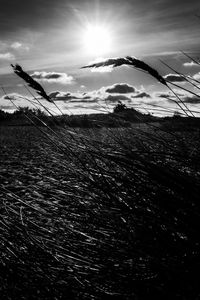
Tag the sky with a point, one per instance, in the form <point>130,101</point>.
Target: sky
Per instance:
<point>52,40</point>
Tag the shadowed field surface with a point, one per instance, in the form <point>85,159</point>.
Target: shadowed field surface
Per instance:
<point>102,214</point>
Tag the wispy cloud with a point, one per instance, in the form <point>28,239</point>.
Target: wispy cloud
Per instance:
<point>16,45</point>
<point>165,53</point>
<point>7,56</point>
<point>12,96</point>
<point>19,46</point>
<point>191,64</point>
<point>11,101</point>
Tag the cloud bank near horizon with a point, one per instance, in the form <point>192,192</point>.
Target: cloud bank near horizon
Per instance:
<point>106,98</point>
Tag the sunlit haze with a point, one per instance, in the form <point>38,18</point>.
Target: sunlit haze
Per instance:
<point>97,40</point>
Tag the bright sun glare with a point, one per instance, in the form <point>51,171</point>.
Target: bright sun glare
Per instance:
<point>97,40</point>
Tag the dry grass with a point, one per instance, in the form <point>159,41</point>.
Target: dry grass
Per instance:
<point>100,213</point>
<point>116,218</point>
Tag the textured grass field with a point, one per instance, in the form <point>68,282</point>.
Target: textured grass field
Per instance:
<point>110,214</point>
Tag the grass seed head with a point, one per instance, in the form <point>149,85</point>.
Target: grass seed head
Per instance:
<point>31,82</point>
<point>131,61</point>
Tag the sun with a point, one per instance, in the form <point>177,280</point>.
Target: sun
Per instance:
<point>97,40</point>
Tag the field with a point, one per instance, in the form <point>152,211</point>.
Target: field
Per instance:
<point>100,213</point>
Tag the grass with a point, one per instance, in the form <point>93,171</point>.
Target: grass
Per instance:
<point>100,213</point>
<point>114,215</point>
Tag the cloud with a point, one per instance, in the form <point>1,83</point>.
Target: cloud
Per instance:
<point>107,69</point>
<point>53,77</point>
<point>142,95</point>
<point>169,95</point>
<point>192,99</point>
<point>165,53</point>
<point>196,76</point>
<point>191,64</point>
<point>7,56</point>
<point>7,107</point>
<point>12,96</point>
<point>17,101</point>
<point>116,98</point>
<point>91,97</point>
<point>18,46</point>
<point>99,100</point>
<point>174,78</point>
<point>112,94</point>
<point>121,88</point>
<point>9,97</point>
<point>73,97</point>
<point>164,95</point>
<point>104,69</point>
<point>186,97</point>
<point>62,96</point>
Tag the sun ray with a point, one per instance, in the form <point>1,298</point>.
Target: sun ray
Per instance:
<point>97,39</point>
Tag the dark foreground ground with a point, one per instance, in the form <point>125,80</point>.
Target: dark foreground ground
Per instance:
<point>100,213</point>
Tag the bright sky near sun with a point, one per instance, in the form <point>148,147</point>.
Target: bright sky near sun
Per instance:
<point>97,39</point>
<point>52,40</point>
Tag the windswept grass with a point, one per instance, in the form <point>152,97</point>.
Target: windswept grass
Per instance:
<point>100,213</point>
<point>117,217</point>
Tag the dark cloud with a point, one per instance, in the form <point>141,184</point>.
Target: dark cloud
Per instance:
<point>142,95</point>
<point>186,98</point>
<point>121,88</point>
<point>169,96</point>
<point>174,78</point>
<point>7,97</point>
<point>72,97</point>
<point>53,77</point>
<point>116,98</point>
<point>191,99</point>
<point>62,96</point>
<point>164,95</point>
